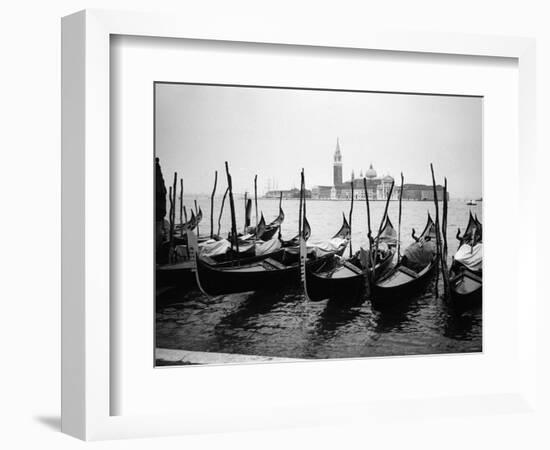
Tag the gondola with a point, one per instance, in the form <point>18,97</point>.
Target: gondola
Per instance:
<point>191,224</point>
<point>261,272</point>
<point>263,232</point>
<point>180,230</point>
<point>266,232</point>
<point>344,280</point>
<point>411,275</point>
<point>466,277</point>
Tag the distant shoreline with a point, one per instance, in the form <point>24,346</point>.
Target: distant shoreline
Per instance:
<point>361,199</point>
<point>241,196</point>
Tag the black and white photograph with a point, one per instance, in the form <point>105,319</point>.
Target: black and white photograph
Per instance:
<point>298,224</point>
<point>261,225</point>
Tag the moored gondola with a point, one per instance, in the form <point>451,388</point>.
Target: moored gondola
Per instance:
<point>344,279</point>
<point>180,230</point>
<point>412,274</point>
<point>268,271</point>
<point>466,276</point>
<point>268,231</point>
<point>191,224</point>
<point>265,231</point>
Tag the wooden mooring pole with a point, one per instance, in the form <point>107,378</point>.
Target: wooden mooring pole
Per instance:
<point>350,217</point>
<point>302,241</point>
<point>444,223</point>
<point>196,215</point>
<point>245,212</point>
<point>173,208</point>
<point>441,259</point>
<point>234,237</point>
<point>399,221</point>
<point>221,210</point>
<point>212,204</point>
<point>256,202</point>
<point>384,216</point>
<point>181,208</point>
<point>368,278</point>
<point>170,212</point>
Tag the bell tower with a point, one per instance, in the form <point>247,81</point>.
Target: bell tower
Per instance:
<point>337,165</point>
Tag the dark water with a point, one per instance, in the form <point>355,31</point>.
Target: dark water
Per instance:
<point>283,324</point>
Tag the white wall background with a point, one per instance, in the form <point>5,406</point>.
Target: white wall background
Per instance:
<point>30,229</point>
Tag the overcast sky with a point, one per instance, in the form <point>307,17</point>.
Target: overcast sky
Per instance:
<point>276,132</point>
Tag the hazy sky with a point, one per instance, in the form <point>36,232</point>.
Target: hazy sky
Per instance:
<point>275,132</point>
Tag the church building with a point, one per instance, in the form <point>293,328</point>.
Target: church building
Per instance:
<point>378,187</point>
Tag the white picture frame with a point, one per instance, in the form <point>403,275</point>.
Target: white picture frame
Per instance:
<point>87,385</point>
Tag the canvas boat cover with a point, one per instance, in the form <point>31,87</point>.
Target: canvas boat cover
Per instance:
<point>320,248</point>
<point>419,254</point>
<point>471,257</point>
<point>211,247</point>
<point>263,248</point>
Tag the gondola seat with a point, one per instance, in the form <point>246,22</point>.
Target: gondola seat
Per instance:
<point>208,260</point>
<point>352,267</point>
<point>274,263</point>
<point>408,271</point>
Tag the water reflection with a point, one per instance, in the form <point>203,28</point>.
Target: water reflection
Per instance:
<point>256,303</point>
<point>393,319</point>
<point>462,325</point>
<point>334,317</point>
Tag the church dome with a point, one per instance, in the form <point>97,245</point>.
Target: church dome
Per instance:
<point>371,173</point>
<point>388,178</point>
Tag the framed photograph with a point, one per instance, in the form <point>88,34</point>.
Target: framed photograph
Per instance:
<point>252,218</point>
